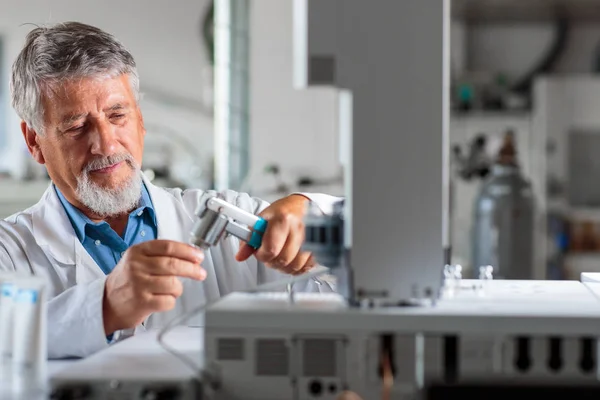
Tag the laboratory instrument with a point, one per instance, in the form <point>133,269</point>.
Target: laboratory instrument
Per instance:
<point>217,217</point>
<point>475,164</point>
<point>400,311</point>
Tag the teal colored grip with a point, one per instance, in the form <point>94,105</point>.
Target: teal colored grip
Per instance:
<point>255,240</point>
<point>260,225</point>
<point>258,229</point>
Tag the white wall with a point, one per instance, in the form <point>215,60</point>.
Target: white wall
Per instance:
<point>296,129</point>
<point>567,104</point>
<point>163,37</point>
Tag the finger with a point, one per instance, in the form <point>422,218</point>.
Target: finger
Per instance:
<point>273,240</point>
<point>347,395</point>
<point>164,284</point>
<point>176,267</point>
<point>162,302</point>
<point>310,264</point>
<point>244,252</point>
<point>297,263</point>
<point>170,248</point>
<point>289,259</point>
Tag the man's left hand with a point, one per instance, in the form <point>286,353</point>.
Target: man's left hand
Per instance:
<point>283,238</point>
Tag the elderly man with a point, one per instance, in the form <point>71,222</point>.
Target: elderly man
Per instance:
<point>112,246</point>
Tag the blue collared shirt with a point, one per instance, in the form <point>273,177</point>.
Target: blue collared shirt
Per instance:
<point>104,244</point>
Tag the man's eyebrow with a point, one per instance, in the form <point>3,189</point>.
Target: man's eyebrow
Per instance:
<point>69,118</point>
<point>116,107</point>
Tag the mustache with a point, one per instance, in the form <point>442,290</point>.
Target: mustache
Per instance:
<point>104,162</point>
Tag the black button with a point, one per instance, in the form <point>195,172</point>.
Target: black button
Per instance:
<point>315,388</point>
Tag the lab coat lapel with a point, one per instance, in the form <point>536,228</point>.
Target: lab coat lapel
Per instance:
<point>169,220</point>
<point>87,269</point>
<point>54,234</point>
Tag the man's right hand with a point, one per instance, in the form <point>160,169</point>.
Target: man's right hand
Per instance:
<point>146,281</point>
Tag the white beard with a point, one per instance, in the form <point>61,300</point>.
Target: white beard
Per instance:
<point>110,202</point>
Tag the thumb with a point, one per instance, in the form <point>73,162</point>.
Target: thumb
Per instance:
<point>244,253</point>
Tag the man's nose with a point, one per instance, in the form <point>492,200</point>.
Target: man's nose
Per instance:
<point>104,140</point>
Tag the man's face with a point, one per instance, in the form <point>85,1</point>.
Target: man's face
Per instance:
<point>93,131</point>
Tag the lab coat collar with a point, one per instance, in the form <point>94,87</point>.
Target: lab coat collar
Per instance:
<point>54,233</point>
<point>168,220</point>
<point>52,229</point>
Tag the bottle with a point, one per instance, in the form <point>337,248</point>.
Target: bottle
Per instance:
<point>503,228</point>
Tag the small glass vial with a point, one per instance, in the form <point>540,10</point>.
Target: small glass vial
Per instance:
<point>452,279</point>
<point>486,273</point>
<point>485,276</point>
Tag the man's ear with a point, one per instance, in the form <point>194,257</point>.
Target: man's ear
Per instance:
<point>31,139</point>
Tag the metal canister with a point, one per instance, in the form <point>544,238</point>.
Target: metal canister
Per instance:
<point>503,228</point>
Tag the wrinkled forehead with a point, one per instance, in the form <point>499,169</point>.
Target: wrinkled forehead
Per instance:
<point>73,88</point>
<point>84,95</point>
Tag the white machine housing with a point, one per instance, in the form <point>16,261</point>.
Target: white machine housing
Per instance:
<point>390,62</point>
<point>536,333</point>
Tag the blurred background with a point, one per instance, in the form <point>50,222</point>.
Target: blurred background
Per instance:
<point>221,112</point>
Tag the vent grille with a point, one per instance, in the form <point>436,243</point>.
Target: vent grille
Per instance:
<point>272,357</point>
<point>230,349</point>
<point>319,357</point>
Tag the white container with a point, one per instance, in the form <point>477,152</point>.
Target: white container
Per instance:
<point>7,290</point>
<point>29,366</point>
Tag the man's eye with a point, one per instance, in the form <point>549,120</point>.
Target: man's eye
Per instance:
<point>75,129</point>
<point>117,116</point>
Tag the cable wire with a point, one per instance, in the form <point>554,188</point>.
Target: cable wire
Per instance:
<point>387,376</point>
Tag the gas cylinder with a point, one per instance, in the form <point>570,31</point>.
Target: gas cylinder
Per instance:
<point>503,227</point>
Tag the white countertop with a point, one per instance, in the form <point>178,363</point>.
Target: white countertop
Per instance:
<point>138,357</point>
<point>590,277</point>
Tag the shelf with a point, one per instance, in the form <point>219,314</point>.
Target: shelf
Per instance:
<point>509,11</point>
<point>482,114</point>
<point>574,213</point>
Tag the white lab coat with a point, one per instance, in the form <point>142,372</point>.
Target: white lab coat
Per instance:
<point>41,241</point>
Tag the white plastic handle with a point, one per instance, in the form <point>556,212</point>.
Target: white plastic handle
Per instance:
<point>231,211</point>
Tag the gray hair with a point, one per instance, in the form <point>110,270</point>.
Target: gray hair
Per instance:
<point>68,50</point>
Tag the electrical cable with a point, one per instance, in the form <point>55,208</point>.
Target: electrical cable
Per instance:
<point>549,59</point>
<point>596,60</point>
<point>387,376</point>
<point>207,28</point>
<point>180,319</point>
